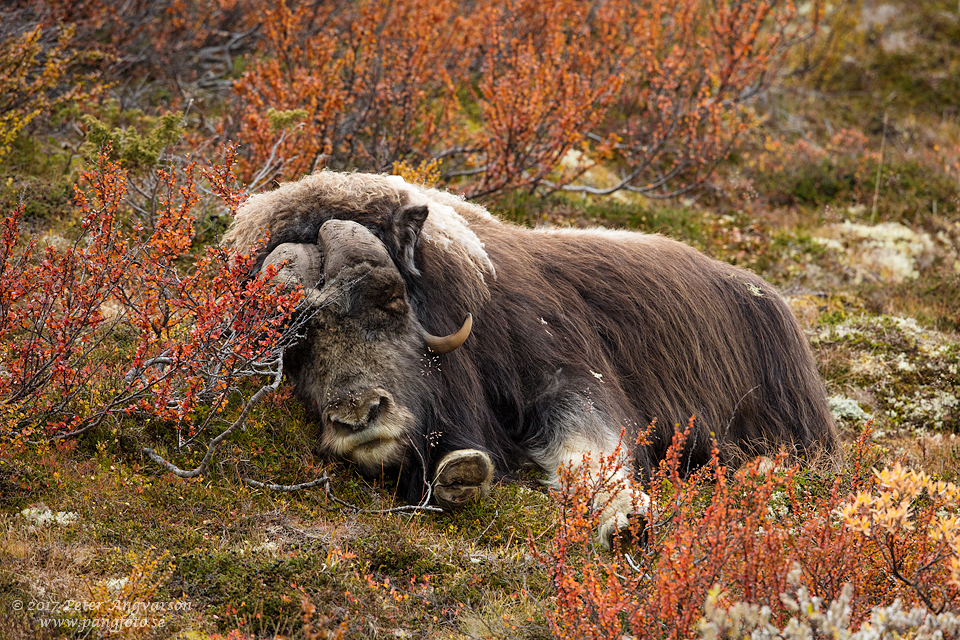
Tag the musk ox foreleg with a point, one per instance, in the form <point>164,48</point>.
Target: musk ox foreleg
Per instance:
<point>461,476</point>
<point>606,467</point>
<point>584,438</point>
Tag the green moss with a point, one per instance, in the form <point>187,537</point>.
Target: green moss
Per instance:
<point>908,188</point>
<point>135,140</point>
<point>244,587</point>
<point>41,181</point>
<point>400,558</point>
<point>20,484</point>
<point>819,183</point>
<point>668,218</point>
<point>912,62</point>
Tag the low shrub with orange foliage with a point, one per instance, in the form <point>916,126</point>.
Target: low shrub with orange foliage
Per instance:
<point>119,321</point>
<point>500,94</point>
<point>176,42</point>
<point>522,95</point>
<point>755,536</point>
<point>40,71</point>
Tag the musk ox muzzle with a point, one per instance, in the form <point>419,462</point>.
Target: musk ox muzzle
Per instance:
<point>352,412</point>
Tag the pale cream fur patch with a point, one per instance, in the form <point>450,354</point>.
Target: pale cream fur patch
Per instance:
<point>615,517</point>
<point>377,446</point>
<point>447,228</point>
<point>447,225</point>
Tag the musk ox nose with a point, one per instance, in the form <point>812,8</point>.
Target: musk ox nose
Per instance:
<point>356,410</point>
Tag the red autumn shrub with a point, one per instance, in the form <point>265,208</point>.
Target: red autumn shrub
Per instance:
<point>41,70</point>
<point>119,321</point>
<point>735,536</point>
<point>370,83</point>
<point>689,71</point>
<point>177,41</point>
<point>519,95</point>
<point>500,94</point>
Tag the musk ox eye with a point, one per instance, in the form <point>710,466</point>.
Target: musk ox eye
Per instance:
<point>396,303</point>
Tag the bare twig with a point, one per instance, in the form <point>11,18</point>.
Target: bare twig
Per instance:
<point>287,488</point>
<point>422,506</point>
<point>496,514</point>
<point>212,447</point>
<point>325,481</point>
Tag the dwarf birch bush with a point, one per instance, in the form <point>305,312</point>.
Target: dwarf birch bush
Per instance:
<point>123,322</point>
<point>499,94</point>
<point>865,541</point>
<point>39,72</point>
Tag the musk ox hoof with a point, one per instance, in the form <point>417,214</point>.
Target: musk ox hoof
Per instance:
<point>461,476</point>
<point>615,522</point>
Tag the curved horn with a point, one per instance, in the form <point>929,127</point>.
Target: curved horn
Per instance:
<point>447,344</point>
<point>302,264</point>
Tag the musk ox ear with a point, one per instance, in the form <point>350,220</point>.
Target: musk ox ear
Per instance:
<point>408,221</point>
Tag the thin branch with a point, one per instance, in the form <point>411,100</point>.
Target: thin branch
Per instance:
<point>422,506</point>
<point>267,170</point>
<point>324,479</point>
<point>492,521</point>
<point>737,406</point>
<point>212,447</point>
<point>895,570</point>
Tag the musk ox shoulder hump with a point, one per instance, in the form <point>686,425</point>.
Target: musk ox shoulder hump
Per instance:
<point>295,209</point>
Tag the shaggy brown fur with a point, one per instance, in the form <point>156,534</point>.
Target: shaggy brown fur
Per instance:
<point>576,333</point>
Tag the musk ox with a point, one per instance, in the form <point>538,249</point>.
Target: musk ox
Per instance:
<point>570,336</point>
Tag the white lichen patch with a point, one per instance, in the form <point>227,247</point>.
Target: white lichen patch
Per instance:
<point>887,252</point>
<point>526,492</point>
<point>866,364</point>
<point>909,373</point>
<point>837,332</point>
<point>903,364</point>
<point>112,309</point>
<point>593,175</point>
<point>269,547</point>
<point>266,548</point>
<point>41,516</point>
<point>830,243</point>
<point>56,241</point>
<point>778,506</point>
<point>930,343</point>
<point>115,585</point>
<point>844,408</point>
<point>922,409</point>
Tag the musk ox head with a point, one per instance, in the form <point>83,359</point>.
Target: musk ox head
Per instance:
<point>360,365</point>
